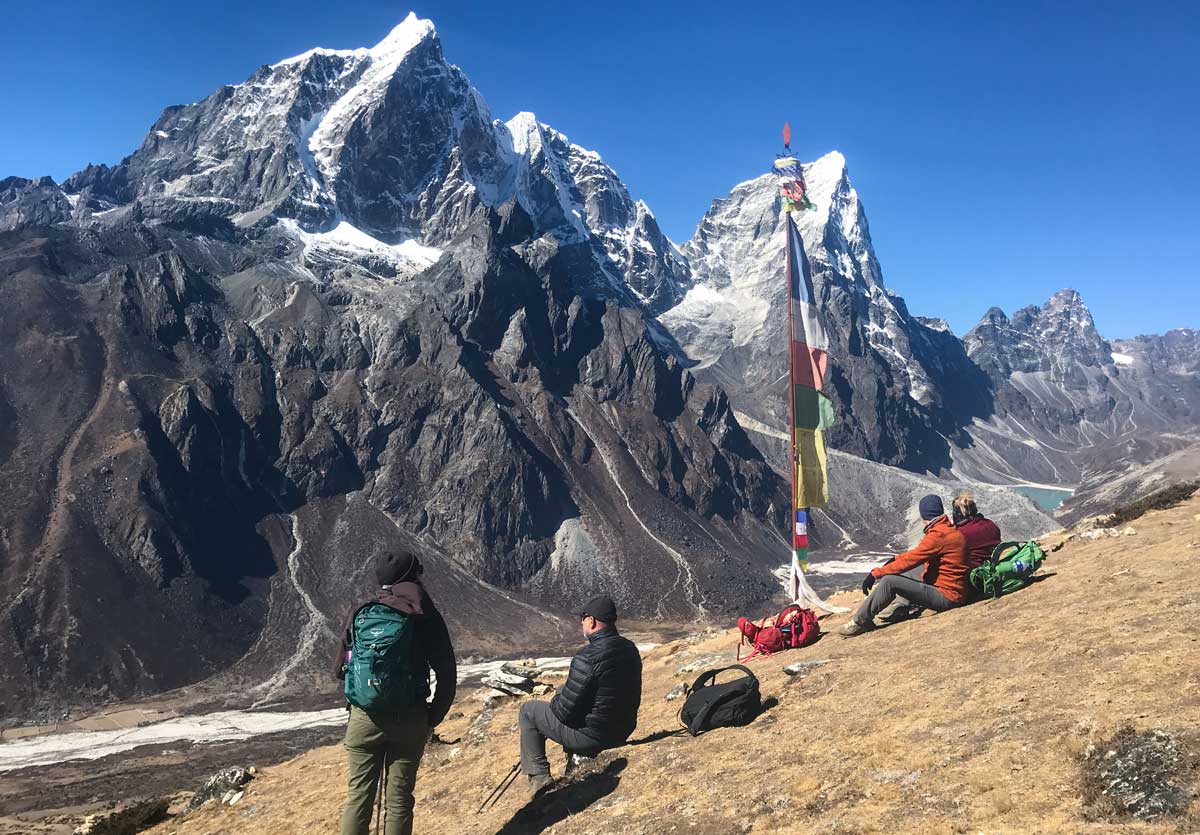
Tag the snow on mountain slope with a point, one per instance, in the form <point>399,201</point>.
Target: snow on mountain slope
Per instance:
<point>384,59</point>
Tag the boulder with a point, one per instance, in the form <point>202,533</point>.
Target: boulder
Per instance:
<point>220,785</point>
<point>125,818</point>
<point>524,669</point>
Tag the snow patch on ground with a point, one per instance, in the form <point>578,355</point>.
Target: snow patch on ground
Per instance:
<point>755,425</point>
<point>1122,359</point>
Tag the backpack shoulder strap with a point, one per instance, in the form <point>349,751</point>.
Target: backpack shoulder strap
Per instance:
<point>709,676</point>
<point>1001,548</point>
<point>697,725</point>
<point>354,617</point>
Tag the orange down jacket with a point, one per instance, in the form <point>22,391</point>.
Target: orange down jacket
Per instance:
<point>943,550</point>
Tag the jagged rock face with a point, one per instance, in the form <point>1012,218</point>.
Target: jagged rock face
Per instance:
<point>31,202</point>
<point>1174,352</point>
<point>485,409</point>
<point>1059,339</point>
<point>1039,397</point>
<point>340,292</point>
<point>899,385</point>
<point>639,253</point>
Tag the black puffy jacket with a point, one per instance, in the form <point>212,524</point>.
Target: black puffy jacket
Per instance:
<point>603,690</point>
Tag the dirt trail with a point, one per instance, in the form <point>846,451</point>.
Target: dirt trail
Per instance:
<point>63,497</point>
<point>965,722</point>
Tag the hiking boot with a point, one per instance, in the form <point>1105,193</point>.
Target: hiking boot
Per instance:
<point>852,627</point>
<point>535,784</point>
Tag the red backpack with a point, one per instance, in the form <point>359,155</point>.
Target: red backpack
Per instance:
<point>791,628</point>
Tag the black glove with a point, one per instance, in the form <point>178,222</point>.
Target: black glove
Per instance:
<point>868,583</point>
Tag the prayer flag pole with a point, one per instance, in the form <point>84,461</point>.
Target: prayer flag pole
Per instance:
<point>809,410</point>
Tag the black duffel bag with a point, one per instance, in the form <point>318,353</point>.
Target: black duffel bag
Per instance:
<point>710,705</point>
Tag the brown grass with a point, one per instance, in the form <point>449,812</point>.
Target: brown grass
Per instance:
<point>1163,499</point>
<point>971,721</point>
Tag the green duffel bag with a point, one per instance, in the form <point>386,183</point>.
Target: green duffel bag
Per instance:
<point>1010,567</point>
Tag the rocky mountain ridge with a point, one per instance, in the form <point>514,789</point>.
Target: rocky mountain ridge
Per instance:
<point>1071,407</point>
<point>1041,397</point>
<point>279,348</point>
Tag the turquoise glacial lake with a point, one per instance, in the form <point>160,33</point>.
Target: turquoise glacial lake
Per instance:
<point>1047,498</point>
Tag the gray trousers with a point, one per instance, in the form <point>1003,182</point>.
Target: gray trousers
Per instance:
<point>538,723</point>
<point>891,586</point>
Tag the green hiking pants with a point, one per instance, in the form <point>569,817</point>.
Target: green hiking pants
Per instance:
<point>373,743</point>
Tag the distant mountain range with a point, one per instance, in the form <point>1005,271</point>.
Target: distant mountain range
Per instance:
<point>338,308</point>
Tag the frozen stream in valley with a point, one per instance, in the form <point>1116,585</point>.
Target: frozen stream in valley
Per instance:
<point>222,726</point>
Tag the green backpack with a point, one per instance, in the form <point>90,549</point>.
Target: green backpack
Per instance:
<point>379,668</point>
<point>1007,572</point>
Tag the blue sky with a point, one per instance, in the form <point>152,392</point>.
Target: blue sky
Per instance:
<point>1002,151</point>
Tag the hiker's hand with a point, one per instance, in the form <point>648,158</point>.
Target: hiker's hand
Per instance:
<point>868,583</point>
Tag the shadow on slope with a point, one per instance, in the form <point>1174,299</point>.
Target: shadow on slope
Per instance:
<point>570,796</point>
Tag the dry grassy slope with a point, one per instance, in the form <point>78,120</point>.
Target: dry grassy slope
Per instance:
<point>970,722</point>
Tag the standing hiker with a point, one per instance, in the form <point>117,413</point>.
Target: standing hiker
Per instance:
<point>597,707</point>
<point>982,535</point>
<point>389,645</point>
<point>943,552</point>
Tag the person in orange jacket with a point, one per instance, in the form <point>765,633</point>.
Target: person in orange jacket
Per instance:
<point>943,552</point>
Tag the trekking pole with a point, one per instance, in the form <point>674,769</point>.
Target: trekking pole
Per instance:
<point>380,788</point>
<point>383,788</point>
<point>501,788</point>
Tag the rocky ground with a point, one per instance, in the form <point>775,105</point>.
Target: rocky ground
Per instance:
<point>1069,707</point>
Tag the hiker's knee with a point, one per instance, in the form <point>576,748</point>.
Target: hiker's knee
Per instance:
<point>525,716</point>
<point>400,801</point>
<point>887,584</point>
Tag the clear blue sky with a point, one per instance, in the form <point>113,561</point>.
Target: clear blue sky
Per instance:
<point>1002,150</point>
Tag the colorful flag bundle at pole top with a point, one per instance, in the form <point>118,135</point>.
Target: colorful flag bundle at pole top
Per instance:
<point>792,190</point>
<point>808,359</point>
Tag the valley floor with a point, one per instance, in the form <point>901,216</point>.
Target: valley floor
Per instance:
<point>966,722</point>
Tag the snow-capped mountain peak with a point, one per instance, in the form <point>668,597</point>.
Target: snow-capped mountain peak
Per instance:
<point>393,141</point>
<point>407,34</point>
<point>736,259</point>
<point>526,133</point>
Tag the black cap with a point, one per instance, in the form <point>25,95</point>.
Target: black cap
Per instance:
<point>931,507</point>
<point>600,607</point>
<point>397,566</point>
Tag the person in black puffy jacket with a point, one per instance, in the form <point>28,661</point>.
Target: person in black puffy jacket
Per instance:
<point>597,706</point>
